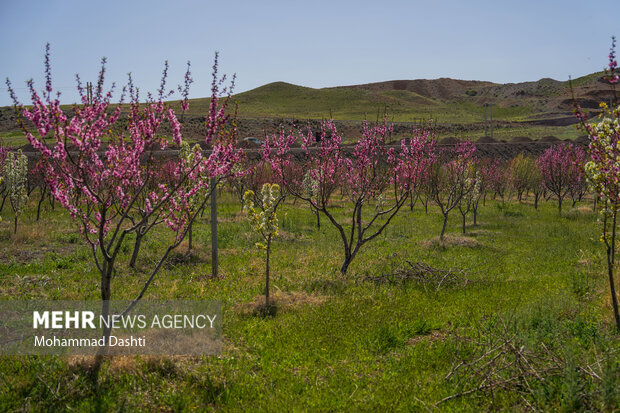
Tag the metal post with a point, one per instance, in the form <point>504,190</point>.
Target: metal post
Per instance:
<point>485,119</point>
<point>491,124</point>
<point>213,227</point>
<point>89,92</point>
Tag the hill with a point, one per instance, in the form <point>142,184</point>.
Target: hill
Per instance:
<point>533,109</point>
<point>457,107</point>
<point>444,100</point>
<point>441,89</point>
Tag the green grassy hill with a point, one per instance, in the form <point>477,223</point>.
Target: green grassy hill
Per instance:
<point>532,109</point>
<point>445,100</point>
<point>285,100</point>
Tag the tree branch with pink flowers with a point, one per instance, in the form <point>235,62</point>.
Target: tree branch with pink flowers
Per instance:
<point>449,179</point>
<point>103,172</point>
<point>374,175</point>
<point>561,169</point>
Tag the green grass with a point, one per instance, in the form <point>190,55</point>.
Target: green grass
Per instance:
<point>337,343</point>
<point>285,100</point>
<point>501,132</point>
<point>13,139</point>
<point>471,132</point>
<point>585,80</point>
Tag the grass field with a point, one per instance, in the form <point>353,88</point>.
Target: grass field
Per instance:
<point>338,343</point>
<point>440,99</point>
<point>285,100</point>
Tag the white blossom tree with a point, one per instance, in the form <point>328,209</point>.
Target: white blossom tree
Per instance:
<point>15,172</point>
<point>264,221</point>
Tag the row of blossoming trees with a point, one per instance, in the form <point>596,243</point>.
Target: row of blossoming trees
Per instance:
<point>323,171</point>
<point>375,179</point>
<point>105,173</point>
<point>557,173</point>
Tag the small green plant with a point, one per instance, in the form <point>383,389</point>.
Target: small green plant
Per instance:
<point>15,171</point>
<point>264,221</point>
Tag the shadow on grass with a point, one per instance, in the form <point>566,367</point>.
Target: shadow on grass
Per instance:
<point>450,240</point>
<point>280,301</point>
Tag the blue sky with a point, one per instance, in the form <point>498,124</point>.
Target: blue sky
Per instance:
<point>315,44</point>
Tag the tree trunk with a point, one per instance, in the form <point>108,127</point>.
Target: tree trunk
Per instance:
<point>189,237</point>
<point>443,228</point>
<point>614,298</point>
<point>267,273</point>
<point>106,277</point>
<point>345,265</point>
<point>43,193</point>
<point>214,260</point>
<point>560,204</point>
<point>136,249</point>
<point>463,223</point>
<point>3,201</point>
<point>610,269</point>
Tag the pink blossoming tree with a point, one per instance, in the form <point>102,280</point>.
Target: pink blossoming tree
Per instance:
<point>484,172</point>
<point>377,178</point>
<point>561,169</point>
<point>451,178</point>
<point>102,170</point>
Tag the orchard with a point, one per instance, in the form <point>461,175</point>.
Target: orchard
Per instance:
<point>395,262</point>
